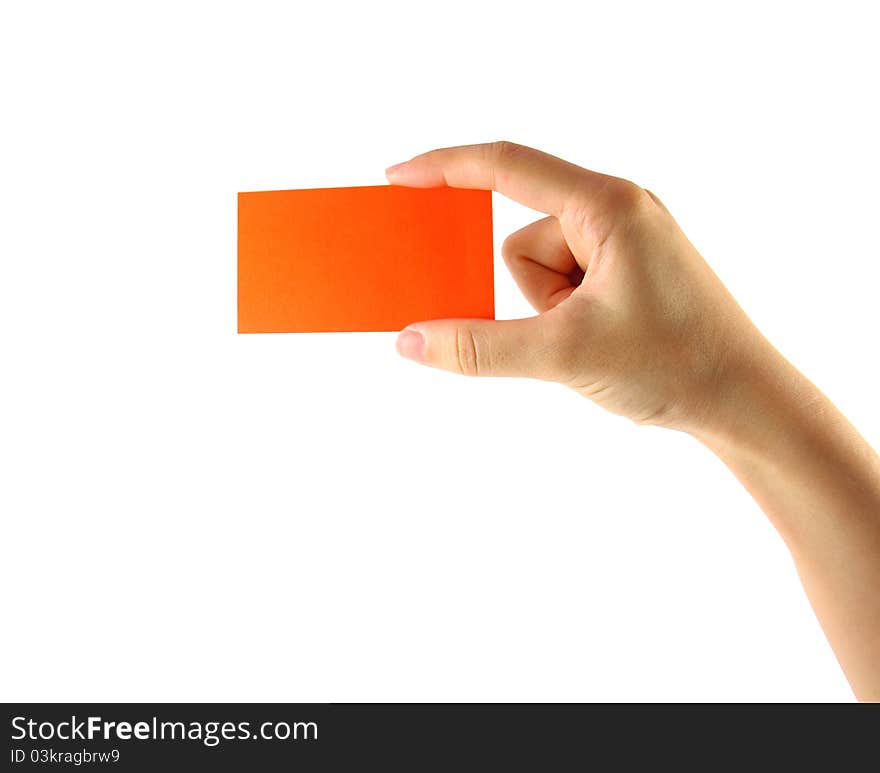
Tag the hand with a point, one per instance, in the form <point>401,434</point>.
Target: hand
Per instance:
<point>630,315</point>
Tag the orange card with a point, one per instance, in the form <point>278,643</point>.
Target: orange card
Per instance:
<point>369,258</point>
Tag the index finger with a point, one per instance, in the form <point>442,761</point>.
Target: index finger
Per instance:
<point>533,178</point>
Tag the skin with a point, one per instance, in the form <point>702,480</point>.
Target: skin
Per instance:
<point>631,316</point>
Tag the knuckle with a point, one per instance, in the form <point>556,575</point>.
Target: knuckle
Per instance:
<point>628,197</point>
<point>498,158</point>
<point>508,248</point>
<point>618,201</point>
<point>504,150</point>
<point>467,355</point>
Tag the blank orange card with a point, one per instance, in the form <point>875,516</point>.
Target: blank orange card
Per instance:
<point>369,258</point>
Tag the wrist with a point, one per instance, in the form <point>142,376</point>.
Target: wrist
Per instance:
<point>757,399</point>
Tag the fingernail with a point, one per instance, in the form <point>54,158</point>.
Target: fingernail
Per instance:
<point>411,344</point>
<point>392,170</point>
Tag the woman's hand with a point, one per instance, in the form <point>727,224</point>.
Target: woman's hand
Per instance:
<point>630,315</point>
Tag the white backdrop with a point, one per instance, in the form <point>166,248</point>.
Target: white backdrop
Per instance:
<point>189,514</point>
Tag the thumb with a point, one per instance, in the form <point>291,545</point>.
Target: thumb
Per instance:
<point>480,347</point>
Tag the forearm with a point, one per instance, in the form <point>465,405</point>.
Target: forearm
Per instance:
<point>632,317</point>
<point>818,481</point>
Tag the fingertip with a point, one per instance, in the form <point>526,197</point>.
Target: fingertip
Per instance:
<point>415,173</point>
<point>411,344</point>
<point>395,171</point>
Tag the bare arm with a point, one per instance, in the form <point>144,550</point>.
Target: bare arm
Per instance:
<point>632,317</point>
<point>818,481</point>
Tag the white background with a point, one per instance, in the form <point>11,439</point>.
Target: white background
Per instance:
<point>192,514</point>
